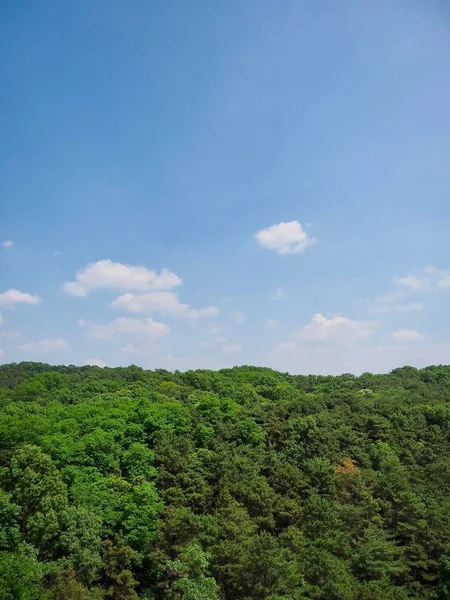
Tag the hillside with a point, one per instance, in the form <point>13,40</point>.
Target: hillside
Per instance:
<point>244,484</point>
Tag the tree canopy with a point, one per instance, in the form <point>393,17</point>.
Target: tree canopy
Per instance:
<point>239,484</point>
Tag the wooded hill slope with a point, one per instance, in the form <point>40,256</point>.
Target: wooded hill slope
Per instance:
<point>239,484</point>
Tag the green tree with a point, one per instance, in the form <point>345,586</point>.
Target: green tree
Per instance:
<point>194,581</point>
<point>20,574</point>
<point>36,486</point>
<point>443,592</point>
<point>9,522</point>
<point>118,577</point>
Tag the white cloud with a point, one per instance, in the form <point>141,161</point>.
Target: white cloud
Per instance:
<point>213,328</point>
<point>11,334</point>
<point>138,349</point>
<point>1,319</point>
<point>279,294</point>
<point>294,349</point>
<point>7,244</point>
<point>272,323</point>
<point>220,340</point>
<point>336,328</point>
<point>411,281</point>
<point>95,362</point>
<point>305,358</point>
<point>108,274</point>
<point>286,347</point>
<point>12,297</point>
<point>400,307</point>
<point>125,326</point>
<point>444,281</point>
<point>131,348</point>
<point>425,280</point>
<point>232,349</point>
<point>207,311</point>
<point>163,302</point>
<point>206,345</point>
<point>406,335</point>
<point>285,238</point>
<point>390,297</point>
<point>44,346</point>
<point>183,363</point>
<point>238,317</point>
<point>441,276</point>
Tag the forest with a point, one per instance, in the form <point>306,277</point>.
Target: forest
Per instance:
<point>244,483</point>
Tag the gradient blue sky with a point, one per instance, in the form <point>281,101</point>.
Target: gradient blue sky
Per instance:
<point>166,135</point>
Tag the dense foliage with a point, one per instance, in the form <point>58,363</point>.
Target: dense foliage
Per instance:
<point>238,484</point>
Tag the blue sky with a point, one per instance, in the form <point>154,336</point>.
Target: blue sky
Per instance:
<point>229,182</point>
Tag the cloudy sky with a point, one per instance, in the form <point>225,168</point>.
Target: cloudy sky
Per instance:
<point>202,184</point>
